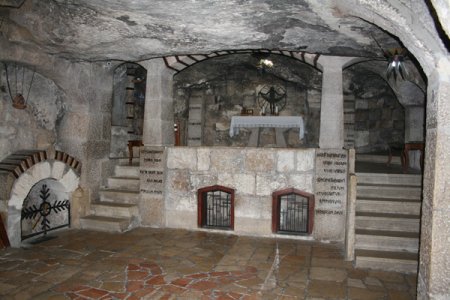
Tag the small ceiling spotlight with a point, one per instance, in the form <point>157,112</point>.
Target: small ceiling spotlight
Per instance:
<point>263,61</point>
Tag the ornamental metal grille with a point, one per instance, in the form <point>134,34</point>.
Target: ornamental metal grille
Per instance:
<point>293,214</point>
<point>217,207</point>
<point>44,211</point>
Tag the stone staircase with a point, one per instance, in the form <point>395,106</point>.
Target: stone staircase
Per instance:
<point>116,210</point>
<point>349,121</point>
<point>387,221</point>
<point>195,121</point>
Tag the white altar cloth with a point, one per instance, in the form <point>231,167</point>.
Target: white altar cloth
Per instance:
<point>266,121</point>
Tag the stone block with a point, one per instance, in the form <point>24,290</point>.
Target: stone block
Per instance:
<point>203,159</point>
<point>57,169</point>
<point>181,219</point>
<point>152,212</point>
<point>361,115</point>
<point>70,180</point>
<point>242,183</point>
<point>222,126</point>
<point>303,182</point>
<point>227,160</point>
<point>181,158</point>
<point>40,171</point>
<point>252,226</point>
<point>305,160</point>
<point>181,202</point>
<point>266,184</point>
<point>6,183</point>
<point>361,104</point>
<point>440,252</point>
<point>375,114</point>
<point>399,125</point>
<point>75,124</point>
<point>259,160</point>
<point>250,207</point>
<point>398,114</point>
<point>98,149</point>
<point>361,125</point>
<point>202,180</point>
<point>386,114</point>
<point>373,124</point>
<point>177,181</point>
<point>285,160</point>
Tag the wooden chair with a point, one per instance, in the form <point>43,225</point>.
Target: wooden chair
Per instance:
<point>405,154</point>
<point>131,144</point>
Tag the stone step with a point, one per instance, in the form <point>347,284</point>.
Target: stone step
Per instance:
<point>387,260</point>
<point>126,171</point>
<point>194,142</point>
<point>194,131</point>
<point>106,224</point>
<point>115,210</point>
<point>125,161</point>
<point>385,179</point>
<point>388,191</point>
<point>195,105</point>
<point>387,222</point>
<point>196,100</point>
<point>379,159</point>
<point>393,207</point>
<point>386,241</point>
<point>118,196</point>
<point>126,183</point>
<point>195,115</point>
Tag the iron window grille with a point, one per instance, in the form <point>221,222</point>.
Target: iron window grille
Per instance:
<point>292,212</point>
<point>216,207</point>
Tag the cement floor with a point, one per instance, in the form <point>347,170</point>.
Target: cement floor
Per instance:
<point>176,264</point>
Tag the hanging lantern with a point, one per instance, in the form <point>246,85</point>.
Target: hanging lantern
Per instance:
<point>396,64</point>
<point>18,100</point>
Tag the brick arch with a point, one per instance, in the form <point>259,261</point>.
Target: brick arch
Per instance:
<point>178,63</point>
<point>14,165</point>
<point>20,171</point>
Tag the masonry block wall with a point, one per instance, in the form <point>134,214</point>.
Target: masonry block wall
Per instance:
<point>254,174</point>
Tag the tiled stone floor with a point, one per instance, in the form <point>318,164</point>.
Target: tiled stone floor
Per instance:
<point>175,264</point>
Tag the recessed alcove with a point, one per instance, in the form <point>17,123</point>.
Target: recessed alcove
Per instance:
<point>216,207</point>
<point>292,212</point>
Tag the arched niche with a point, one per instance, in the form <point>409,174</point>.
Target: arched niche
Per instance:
<point>208,93</point>
<point>33,167</point>
<point>127,114</point>
<point>36,123</point>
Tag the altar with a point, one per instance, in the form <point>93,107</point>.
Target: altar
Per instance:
<point>280,123</point>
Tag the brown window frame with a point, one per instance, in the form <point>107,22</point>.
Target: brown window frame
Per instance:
<point>276,209</point>
<point>201,212</point>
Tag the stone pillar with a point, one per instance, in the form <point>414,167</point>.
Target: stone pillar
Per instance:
<point>414,130</point>
<point>434,266</point>
<point>158,114</point>
<point>332,103</point>
<point>414,123</point>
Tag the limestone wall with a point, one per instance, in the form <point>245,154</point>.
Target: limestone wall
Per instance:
<point>254,174</point>
<point>35,126</point>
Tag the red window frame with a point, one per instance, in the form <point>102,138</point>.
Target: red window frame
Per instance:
<point>276,208</point>
<point>201,212</point>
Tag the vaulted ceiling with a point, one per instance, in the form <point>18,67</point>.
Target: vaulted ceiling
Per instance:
<point>140,29</point>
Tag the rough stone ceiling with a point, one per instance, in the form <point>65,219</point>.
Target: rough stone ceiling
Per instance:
<point>140,29</point>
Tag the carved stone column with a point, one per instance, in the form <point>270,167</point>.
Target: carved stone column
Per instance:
<point>332,103</point>
<point>158,113</point>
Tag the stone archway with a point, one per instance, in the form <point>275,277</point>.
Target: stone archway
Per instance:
<point>33,167</point>
<point>419,35</point>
